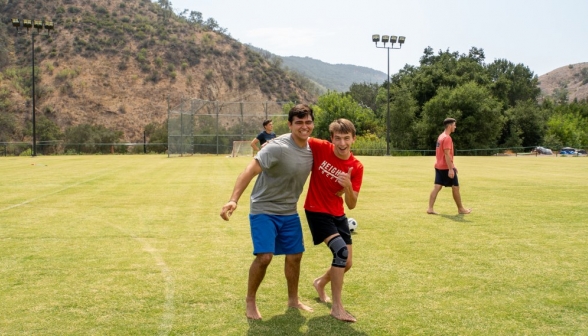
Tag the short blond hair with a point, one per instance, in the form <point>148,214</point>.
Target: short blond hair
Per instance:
<point>342,126</point>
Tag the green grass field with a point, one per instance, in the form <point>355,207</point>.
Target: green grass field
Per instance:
<point>134,245</point>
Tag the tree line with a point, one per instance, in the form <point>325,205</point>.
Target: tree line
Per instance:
<point>497,105</point>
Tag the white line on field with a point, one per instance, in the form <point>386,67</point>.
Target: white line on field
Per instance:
<point>168,314</point>
<point>49,194</point>
<point>168,310</point>
<point>167,320</point>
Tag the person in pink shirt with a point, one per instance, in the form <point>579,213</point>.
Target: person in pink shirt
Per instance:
<point>445,170</point>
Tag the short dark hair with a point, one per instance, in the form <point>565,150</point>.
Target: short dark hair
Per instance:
<point>342,126</point>
<point>448,121</point>
<point>267,121</point>
<point>300,111</point>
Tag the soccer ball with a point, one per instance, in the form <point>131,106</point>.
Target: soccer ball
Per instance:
<point>352,224</point>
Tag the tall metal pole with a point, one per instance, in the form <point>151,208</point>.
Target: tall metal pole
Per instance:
<point>39,25</point>
<point>388,110</point>
<point>385,39</point>
<point>34,122</point>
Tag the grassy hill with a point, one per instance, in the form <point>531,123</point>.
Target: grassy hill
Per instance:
<point>119,63</point>
<point>568,82</point>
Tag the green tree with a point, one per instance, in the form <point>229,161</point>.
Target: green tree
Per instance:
<point>528,120</point>
<point>512,83</point>
<point>157,137</point>
<point>570,129</point>
<point>365,94</point>
<point>504,82</point>
<point>47,132</point>
<point>8,127</point>
<point>8,124</point>
<point>560,95</point>
<point>195,18</point>
<point>47,129</point>
<point>87,138</point>
<point>403,109</point>
<point>333,105</point>
<point>446,69</point>
<point>569,124</point>
<point>478,117</point>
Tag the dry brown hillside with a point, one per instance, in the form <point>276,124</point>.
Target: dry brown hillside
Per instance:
<point>570,79</point>
<point>116,62</point>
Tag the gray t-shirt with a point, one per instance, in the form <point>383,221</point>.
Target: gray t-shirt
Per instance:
<point>285,168</point>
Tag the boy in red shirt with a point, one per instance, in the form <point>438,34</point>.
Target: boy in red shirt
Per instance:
<point>445,171</point>
<point>336,177</point>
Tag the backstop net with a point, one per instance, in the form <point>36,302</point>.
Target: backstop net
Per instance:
<point>242,148</point>
<point>198,126</point>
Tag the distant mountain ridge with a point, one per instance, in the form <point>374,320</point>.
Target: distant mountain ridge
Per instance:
<point>326,76</point>
<point>338,77</point>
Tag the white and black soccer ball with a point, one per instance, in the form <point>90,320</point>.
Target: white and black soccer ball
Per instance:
<point>352,224</point>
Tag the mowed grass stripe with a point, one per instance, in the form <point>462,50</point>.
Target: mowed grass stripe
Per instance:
<point>134,245</point>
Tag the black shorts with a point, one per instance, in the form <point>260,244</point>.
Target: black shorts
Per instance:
<point>323,225</point>
<point>442,178</point>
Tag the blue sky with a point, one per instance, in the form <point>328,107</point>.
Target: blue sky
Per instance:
<point>543,35</point>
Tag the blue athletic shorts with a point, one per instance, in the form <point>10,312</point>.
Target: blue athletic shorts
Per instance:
<point>442,178</point>
<point>277,234</point>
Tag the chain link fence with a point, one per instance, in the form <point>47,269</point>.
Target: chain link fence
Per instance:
<point>198,126</point>
<point>63,148</point>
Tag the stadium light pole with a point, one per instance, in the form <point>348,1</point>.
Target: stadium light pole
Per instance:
<point>385,39</point>
<point>39,25</point>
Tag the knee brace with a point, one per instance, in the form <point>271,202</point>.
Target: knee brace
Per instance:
<point>339,249</point>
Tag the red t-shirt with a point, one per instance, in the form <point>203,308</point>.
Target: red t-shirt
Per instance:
<point>443,142</point>
<point>322,192</point>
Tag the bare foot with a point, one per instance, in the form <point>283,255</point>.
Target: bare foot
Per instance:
<point>252,312</point>
<point>465,211</point>
<point>343,316</point>
<point>320,289</point>
<point>299,305</point>
<point>431,212</point>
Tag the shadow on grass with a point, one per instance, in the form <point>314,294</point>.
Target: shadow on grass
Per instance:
<point>457,217</point>
<point>292,321</point>
<point>287,324</point>
<point>327,325</point>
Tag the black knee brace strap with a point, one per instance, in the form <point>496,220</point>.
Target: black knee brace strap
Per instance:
<point>339,249</point>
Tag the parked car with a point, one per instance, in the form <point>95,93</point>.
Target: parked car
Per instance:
<point>543,150</point>
<point>581,152</point>
<point>567,151</point>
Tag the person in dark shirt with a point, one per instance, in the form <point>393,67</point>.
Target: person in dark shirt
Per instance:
<point>264,136</point>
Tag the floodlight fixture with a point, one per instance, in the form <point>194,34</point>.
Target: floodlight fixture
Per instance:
<point>385,39</point>
<point>27,24</point>
<point>38,24</point>
<point>16,23</point>
<point>49,25</point>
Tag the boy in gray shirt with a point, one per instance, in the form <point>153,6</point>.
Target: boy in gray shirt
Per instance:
<point>283,167</point>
